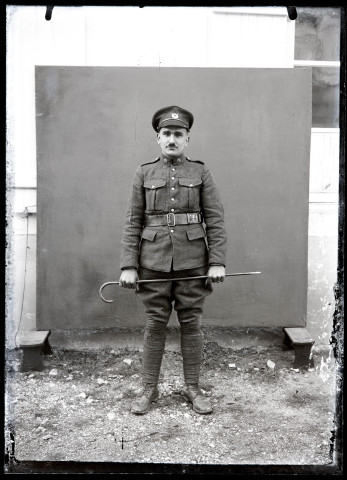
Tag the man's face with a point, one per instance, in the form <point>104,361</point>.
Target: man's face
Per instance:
<point>173,140</point>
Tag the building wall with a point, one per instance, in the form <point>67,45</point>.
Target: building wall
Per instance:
<point>323,232</point>
<point>162,37</point>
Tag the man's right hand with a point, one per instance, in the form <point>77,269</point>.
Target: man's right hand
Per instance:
<point>128,278</point>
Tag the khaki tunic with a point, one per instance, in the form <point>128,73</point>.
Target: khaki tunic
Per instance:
<point>175,186</point>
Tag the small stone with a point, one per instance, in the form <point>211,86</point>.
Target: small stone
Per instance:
<point>53,372</point>
<point>271,365</point>
<point>205,392</point>
<point>111,415</point>
<point>41,429</point>
<point>295,370</point>
<point>46,437</point>
<point>83,395</point>
<point>100,381</point>
<point>31,375</point>
<point>128,361</point>
<point>232,366</point>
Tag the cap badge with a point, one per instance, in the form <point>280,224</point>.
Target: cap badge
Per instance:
<point>174,115</point>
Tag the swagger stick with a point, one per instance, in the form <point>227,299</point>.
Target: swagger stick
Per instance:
<point>157,280</point>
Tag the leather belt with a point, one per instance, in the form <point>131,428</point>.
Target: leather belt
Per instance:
<point>172,219</point>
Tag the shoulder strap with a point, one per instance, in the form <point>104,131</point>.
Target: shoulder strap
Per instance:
<point>153,161</point>
<point>197,161</point>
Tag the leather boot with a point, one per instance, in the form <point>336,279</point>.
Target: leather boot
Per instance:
<point>191,345</point>
<point>201,404</point>
<point>142,404</point>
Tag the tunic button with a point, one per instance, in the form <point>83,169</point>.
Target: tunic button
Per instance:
<point>191,185</point>
<point>153,186</point>
<point>172,209</point>
<point>172,199</point>
<point>173,169</point>
<point>172,188</point>
<point>171,231</point>
<point>172,178</point>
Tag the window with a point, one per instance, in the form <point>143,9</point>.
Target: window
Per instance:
<point>317,44</point>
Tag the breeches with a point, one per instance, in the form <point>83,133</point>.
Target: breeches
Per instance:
<point>187,298</point>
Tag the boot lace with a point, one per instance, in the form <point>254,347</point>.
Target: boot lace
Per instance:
<point>148,390</point>
<point>194,390</point>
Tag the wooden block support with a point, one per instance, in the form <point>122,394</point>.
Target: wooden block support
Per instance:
<point>299,339</point>
<point>34,344</point>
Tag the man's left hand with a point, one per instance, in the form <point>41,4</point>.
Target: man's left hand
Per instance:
<point>216,273</point>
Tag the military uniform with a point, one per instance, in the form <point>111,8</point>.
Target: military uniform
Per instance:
<point>174,228</point>
<point>169,200</point>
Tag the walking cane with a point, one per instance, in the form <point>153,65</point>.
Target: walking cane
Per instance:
<point>157,280</point>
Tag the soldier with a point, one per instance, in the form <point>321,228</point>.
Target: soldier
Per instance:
<point>174,228</point>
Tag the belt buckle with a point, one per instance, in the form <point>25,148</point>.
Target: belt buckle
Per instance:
<point>192,218</point>
<point>169,216</point>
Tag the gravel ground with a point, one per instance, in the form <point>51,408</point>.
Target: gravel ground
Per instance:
<point>78,409</point>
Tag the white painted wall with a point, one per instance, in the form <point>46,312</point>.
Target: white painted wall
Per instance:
<point>323,232</point>
<point>129,36</point>
<point>324,165</point>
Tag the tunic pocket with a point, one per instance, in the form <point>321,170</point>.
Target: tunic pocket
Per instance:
<point>189,193</point>
<point>148,234</point>
<point>195,233</point>
<point>155,194</point>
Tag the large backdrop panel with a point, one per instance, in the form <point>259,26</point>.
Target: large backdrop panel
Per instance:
<point>252,128</point>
